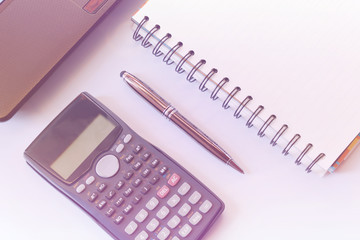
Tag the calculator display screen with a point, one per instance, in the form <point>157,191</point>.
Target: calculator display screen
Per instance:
<point>82,146</point>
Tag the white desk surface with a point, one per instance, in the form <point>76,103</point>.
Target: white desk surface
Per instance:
<point>275,199</point>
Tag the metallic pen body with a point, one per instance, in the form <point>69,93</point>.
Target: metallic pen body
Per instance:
<point>171,113</point>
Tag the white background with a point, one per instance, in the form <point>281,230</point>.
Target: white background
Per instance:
<point>275,199</point>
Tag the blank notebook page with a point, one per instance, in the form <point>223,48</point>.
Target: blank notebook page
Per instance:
<point>298,59</point>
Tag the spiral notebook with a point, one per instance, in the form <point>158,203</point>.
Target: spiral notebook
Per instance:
<point>289,69</point>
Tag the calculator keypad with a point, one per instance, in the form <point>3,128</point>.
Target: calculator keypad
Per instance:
<point>142,194</point>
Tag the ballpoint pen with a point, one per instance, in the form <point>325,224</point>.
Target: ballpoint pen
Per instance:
<point>171,113</point>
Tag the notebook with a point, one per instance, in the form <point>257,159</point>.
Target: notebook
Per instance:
<point>35,36</point>
<point>290,70</point>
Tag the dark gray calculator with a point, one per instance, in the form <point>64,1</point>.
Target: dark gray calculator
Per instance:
<point>128,186</point>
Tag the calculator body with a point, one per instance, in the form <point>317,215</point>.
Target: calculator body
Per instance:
<point>128,186</point>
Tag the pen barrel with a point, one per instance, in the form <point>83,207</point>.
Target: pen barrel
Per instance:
<point>199,136</point>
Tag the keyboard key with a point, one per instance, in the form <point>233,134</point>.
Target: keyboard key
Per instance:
<point>184,188</point>
<point>146,172</point>
<point>141,216</point>
<point>120,184</point>
<point>163,191</point>
<point>101,204</point>
<point>101,187</point>
<point>152,225</point>
<point>154,179</point>
<point>136,182</point>
<point>174,200</point>
<point>93,197</point>
<point>163,212</point>
<point>128,174</point>
<point>174,179</point>
<point>110,212</point>
<point>119,148</point>
<point>80,188</point>
<point>195,197</point>
<point>205,206</point>
<point>118,219</point>
<point>90,180</point>
<point>163,170</point>
<point>145,156</point>
<point>136,199</point>
<point>119,202</point>
<point>127,138</point>
<point>131,228</point>
<point>152,203</point>
<point>163,234</point>
<point>137,149</point>
<point>128,191</point>
<point>184,210</point>
<point>128,158</point>
<point>154,163</point>
<point>137,165</point>
<point>128,209</point>
<point>142,236</point>
<point>195,218</point>
<point>110,194</point>
<point>174,222</point>
<point>145,189</point>
<point>185,230</point>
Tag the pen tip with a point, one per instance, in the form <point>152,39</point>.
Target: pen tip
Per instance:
<point>235,166</point>
<point>122,73</point>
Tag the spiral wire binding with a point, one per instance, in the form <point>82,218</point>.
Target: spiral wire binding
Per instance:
<point>237,113</point>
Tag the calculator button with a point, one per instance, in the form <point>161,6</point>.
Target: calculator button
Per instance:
<point>120,184</point>
<point>175,238</point>
<point>206,206</point>
<point>154,179</point>
<point>137,165</point>
<point>152,225</point>
<point>137,182</point>
<point>173,201</point>
<point>154,163</point>
<point>90,180</point>
<point>131,228</point>
<point>93,197</point>
<point>127,138</point>
<point>101,187</point>
<point>141,216</point>
<point>163,191</point>
<point>80,188</point>
<point>137,149</point>
<point>152,203</point>
<point>163,234</point>
<point>184,210</point>
<point>184,188</point>
<point>185,230</point>
<point>174,179</point>
<point>101,204</point>
<point>195,197</point>
<point>137,199</point>
<point>110,212</point>
<point>128,158</point>
<point>145,156</point>
<point>128,192</point>
<point>107,166</point>
<point>163,170</point>
<point>110,194</point>
<point>119,148</point>
<point>163,212</point>
<point>118,219</point>
<point>195,218</point>
<point>142,236</point>
<point>128,209</point>
<point>146,172</point>
<point>128,174</point>
<point>174,222</point>
<point>119,202</point>
<point>145,189</point>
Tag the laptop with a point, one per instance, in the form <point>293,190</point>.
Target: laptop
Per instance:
<point>35,36</point>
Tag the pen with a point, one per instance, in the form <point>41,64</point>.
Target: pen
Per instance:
<point>171,113</point>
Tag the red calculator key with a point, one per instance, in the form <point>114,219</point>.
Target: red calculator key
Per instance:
<point>163,192</point>
<point>174,179</point>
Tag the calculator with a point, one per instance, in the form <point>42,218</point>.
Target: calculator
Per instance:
<point>130,188</point>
